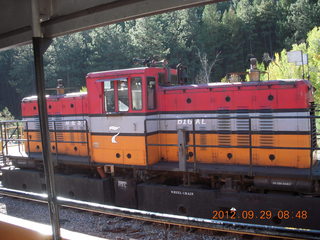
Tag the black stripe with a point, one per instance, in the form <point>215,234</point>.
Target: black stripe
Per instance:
<point>174,132</point>
<point>121,134</point>
<point>60,131</point>
<point>225,111</point>
<point>97,115</point>
<point>237,132</point>
<point>181,112</point>
<point>293,133</point>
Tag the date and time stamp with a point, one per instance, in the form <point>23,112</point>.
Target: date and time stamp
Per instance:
<point>259,214</point>
<point>250,214</point>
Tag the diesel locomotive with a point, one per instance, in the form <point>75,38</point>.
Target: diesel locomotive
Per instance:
<point>143,134</point>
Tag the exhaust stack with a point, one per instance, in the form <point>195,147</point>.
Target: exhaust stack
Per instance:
<point>60,87</point>
<point>254,73</point>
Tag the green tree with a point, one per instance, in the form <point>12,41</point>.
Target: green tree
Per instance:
<point>8,94</point>
<point>233,52</point>
<point>302,16</point>
<point>173,36</point>
<point>236,30</point>
<point>110,47</point>
<point>5,114</point>
<point>313,51</point>
<point>212,38</point>
<point>280,68</point>
<point>67,59</point>
<point>22,71</point>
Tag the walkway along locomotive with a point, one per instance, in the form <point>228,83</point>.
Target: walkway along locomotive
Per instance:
<point>143,138</point>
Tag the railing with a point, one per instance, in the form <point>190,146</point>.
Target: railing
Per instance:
<point>193,131</point>
<point>12,133</point>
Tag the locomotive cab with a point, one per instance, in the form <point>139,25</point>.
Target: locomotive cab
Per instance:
<point>127,90</point>
<point>120,101</point>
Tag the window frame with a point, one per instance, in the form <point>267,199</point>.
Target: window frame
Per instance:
<point>128,96</point>
<point>141,94</point>
<point>116,81</point>
<point>148,78</point>
<point>115,97</point>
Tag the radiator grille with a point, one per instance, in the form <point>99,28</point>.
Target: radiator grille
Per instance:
<point>266,124</point>
<point>266,140</point>
<point>224,124</point>
<point>242,124</point>
<point>224,139</point>
<point>243,140</point>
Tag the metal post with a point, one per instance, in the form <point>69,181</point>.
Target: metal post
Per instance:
<point>38,47</point>
<point>182,150</point>
<point>194,146</point>
<point>302,65</point>
<point>2,139</point>
<point>87,137</point>
<point>28,140</point>
<point>250,145</point>
<point>311,145</point>
<point>146,141</point>
<point>18,137</point>
<point>55,139</point>
<point>6,137</point>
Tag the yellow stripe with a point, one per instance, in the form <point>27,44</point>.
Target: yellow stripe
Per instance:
<point>128,150</point>
<point>131,150</point>
<point>76,148</point>
<point>261,157</point>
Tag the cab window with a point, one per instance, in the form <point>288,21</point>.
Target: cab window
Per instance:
<point>123,101</point>
<point>136,93</point>
<point>109,102</point>
<point>151,92</point>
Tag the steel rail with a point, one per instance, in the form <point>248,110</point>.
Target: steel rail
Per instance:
<point>170,219</point>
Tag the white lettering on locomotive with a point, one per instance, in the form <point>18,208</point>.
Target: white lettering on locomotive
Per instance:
<point>114,128</point>
<point>189,121</point>
<point>281,183</point>
<point>181,193</point>
<point>122,184</point>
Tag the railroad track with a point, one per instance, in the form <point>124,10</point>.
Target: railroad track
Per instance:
<point>107,226</point>
<point>175,220</point>
<point>1,160</point>
<point>1,165</point>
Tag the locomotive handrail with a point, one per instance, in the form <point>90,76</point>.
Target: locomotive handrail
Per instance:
<point>7,137</point>
<point>231,117</point>
<point>52,123</point>
<point>231,146</point>
<point>248,132</point>
<point>25,120</point>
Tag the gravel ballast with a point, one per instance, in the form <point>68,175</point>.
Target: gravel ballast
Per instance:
<point>105,226</point>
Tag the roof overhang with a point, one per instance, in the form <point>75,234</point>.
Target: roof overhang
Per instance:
<point>60,17</point>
